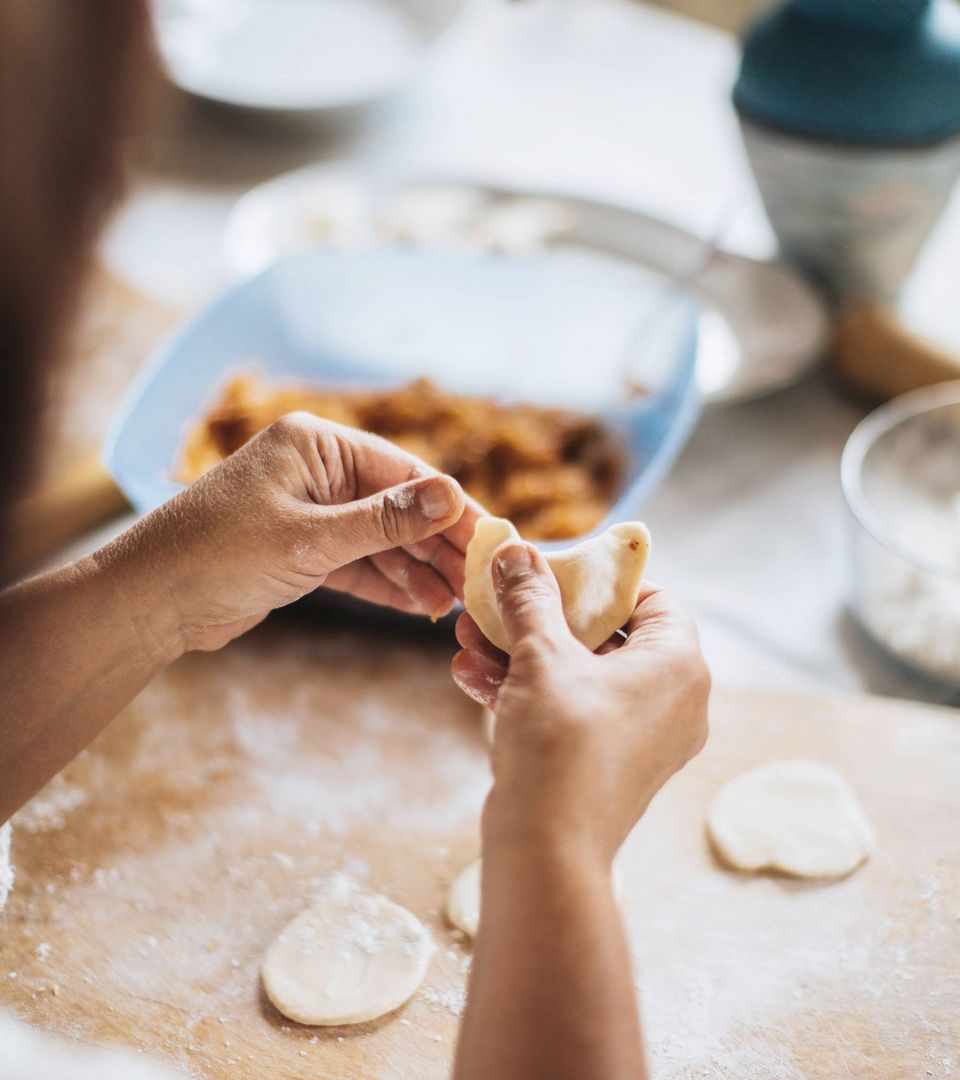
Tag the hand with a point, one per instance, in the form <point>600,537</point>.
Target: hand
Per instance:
<point>583,741</point>
<point>305,503</point>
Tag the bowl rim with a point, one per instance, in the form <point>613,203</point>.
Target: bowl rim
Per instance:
<point>863,438</point>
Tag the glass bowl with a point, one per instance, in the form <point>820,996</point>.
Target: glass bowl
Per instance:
<point>900,473</point>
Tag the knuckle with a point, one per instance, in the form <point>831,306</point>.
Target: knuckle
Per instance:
<point>392,520</point>
<point>525,598</point>
<point>294,427</point>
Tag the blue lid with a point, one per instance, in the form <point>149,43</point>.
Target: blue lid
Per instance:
<point>856,71</point>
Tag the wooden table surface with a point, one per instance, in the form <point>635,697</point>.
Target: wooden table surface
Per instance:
<point>152,876</point>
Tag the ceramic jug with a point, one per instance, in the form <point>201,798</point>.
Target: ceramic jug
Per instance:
<point>850,113</point>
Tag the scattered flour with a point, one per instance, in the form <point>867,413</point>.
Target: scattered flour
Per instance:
<point>364,928</point>
<point>48,809</point>
<point>453,1000</point>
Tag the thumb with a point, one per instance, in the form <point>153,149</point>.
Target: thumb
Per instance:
<point>393,518</point>
<point>527,594</point>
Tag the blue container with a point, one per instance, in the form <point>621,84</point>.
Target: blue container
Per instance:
<point>536,328</point>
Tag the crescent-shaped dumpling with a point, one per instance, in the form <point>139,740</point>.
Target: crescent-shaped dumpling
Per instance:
<point>599,579</point>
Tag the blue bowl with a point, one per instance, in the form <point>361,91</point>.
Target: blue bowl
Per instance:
<point>552,328</point>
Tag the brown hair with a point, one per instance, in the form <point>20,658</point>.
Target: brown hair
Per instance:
<point>70,79</point>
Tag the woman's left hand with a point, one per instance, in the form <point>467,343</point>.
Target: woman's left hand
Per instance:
<point>305,503</point>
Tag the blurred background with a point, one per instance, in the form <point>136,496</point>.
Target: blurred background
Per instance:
<point>693,262</point>
<point>616,162</point>
<point>729,16</point>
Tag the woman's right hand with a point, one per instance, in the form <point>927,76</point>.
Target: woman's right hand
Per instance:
<point>583,740</point>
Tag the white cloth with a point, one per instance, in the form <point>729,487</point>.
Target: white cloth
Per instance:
<point>27,1054</point>
<point>6,869</point>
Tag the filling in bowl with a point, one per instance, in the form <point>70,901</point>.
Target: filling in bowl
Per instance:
<point>553,472</point>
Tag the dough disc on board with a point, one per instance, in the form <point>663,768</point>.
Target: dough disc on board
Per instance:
<point>800,817</point>
<point>345,960</point>
<point>463,899</point>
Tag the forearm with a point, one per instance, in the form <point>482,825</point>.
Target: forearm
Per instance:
<point>551,991</point>
<point>75,646</point>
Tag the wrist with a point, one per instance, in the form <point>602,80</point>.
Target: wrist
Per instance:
<point>139,597</point>
<point>564,867</point>
<point>515,829</point>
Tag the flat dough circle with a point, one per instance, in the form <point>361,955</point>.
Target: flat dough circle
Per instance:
<point>463,899</point>
<point>346,960</point>
<point>599,579</point>
<point>799,817</point>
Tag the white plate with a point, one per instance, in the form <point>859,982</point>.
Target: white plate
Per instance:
<point>762,327</point>
<point>297,56</point>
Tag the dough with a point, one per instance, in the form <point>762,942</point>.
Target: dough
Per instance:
<point>345,960</point>
<point>599,579</point>
<point>463,900</point>
<point>800,817</point>
<point>6,870</point>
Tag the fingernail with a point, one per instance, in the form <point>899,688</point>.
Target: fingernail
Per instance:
<point>514,560</point>
<point>436,500</point>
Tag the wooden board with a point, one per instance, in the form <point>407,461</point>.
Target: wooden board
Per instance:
<point>161,865</point>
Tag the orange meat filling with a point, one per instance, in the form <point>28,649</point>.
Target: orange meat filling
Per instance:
<point>554,473</point>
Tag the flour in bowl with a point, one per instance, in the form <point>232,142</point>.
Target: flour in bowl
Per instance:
<point>910,600</point>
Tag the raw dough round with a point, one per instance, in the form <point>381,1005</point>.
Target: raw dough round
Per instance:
<point>800,817</point>
<point>345,960</point>
<point>599,579</point>
<point>463,899</point>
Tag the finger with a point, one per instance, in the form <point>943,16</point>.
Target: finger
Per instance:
<point>422,583</point>
<point>364,581</point>
<point>471,637</point>
<point>367,463</point>
<point>478,677</point>
<point>614,642</point>
<point>448,561</point>
<point>375,463</point>
<point>527,594</point>
<point>378,464</point>
<point>658,619</point>
<point>356,464</point>
<point>461,532</point>
<point>393,518</point>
